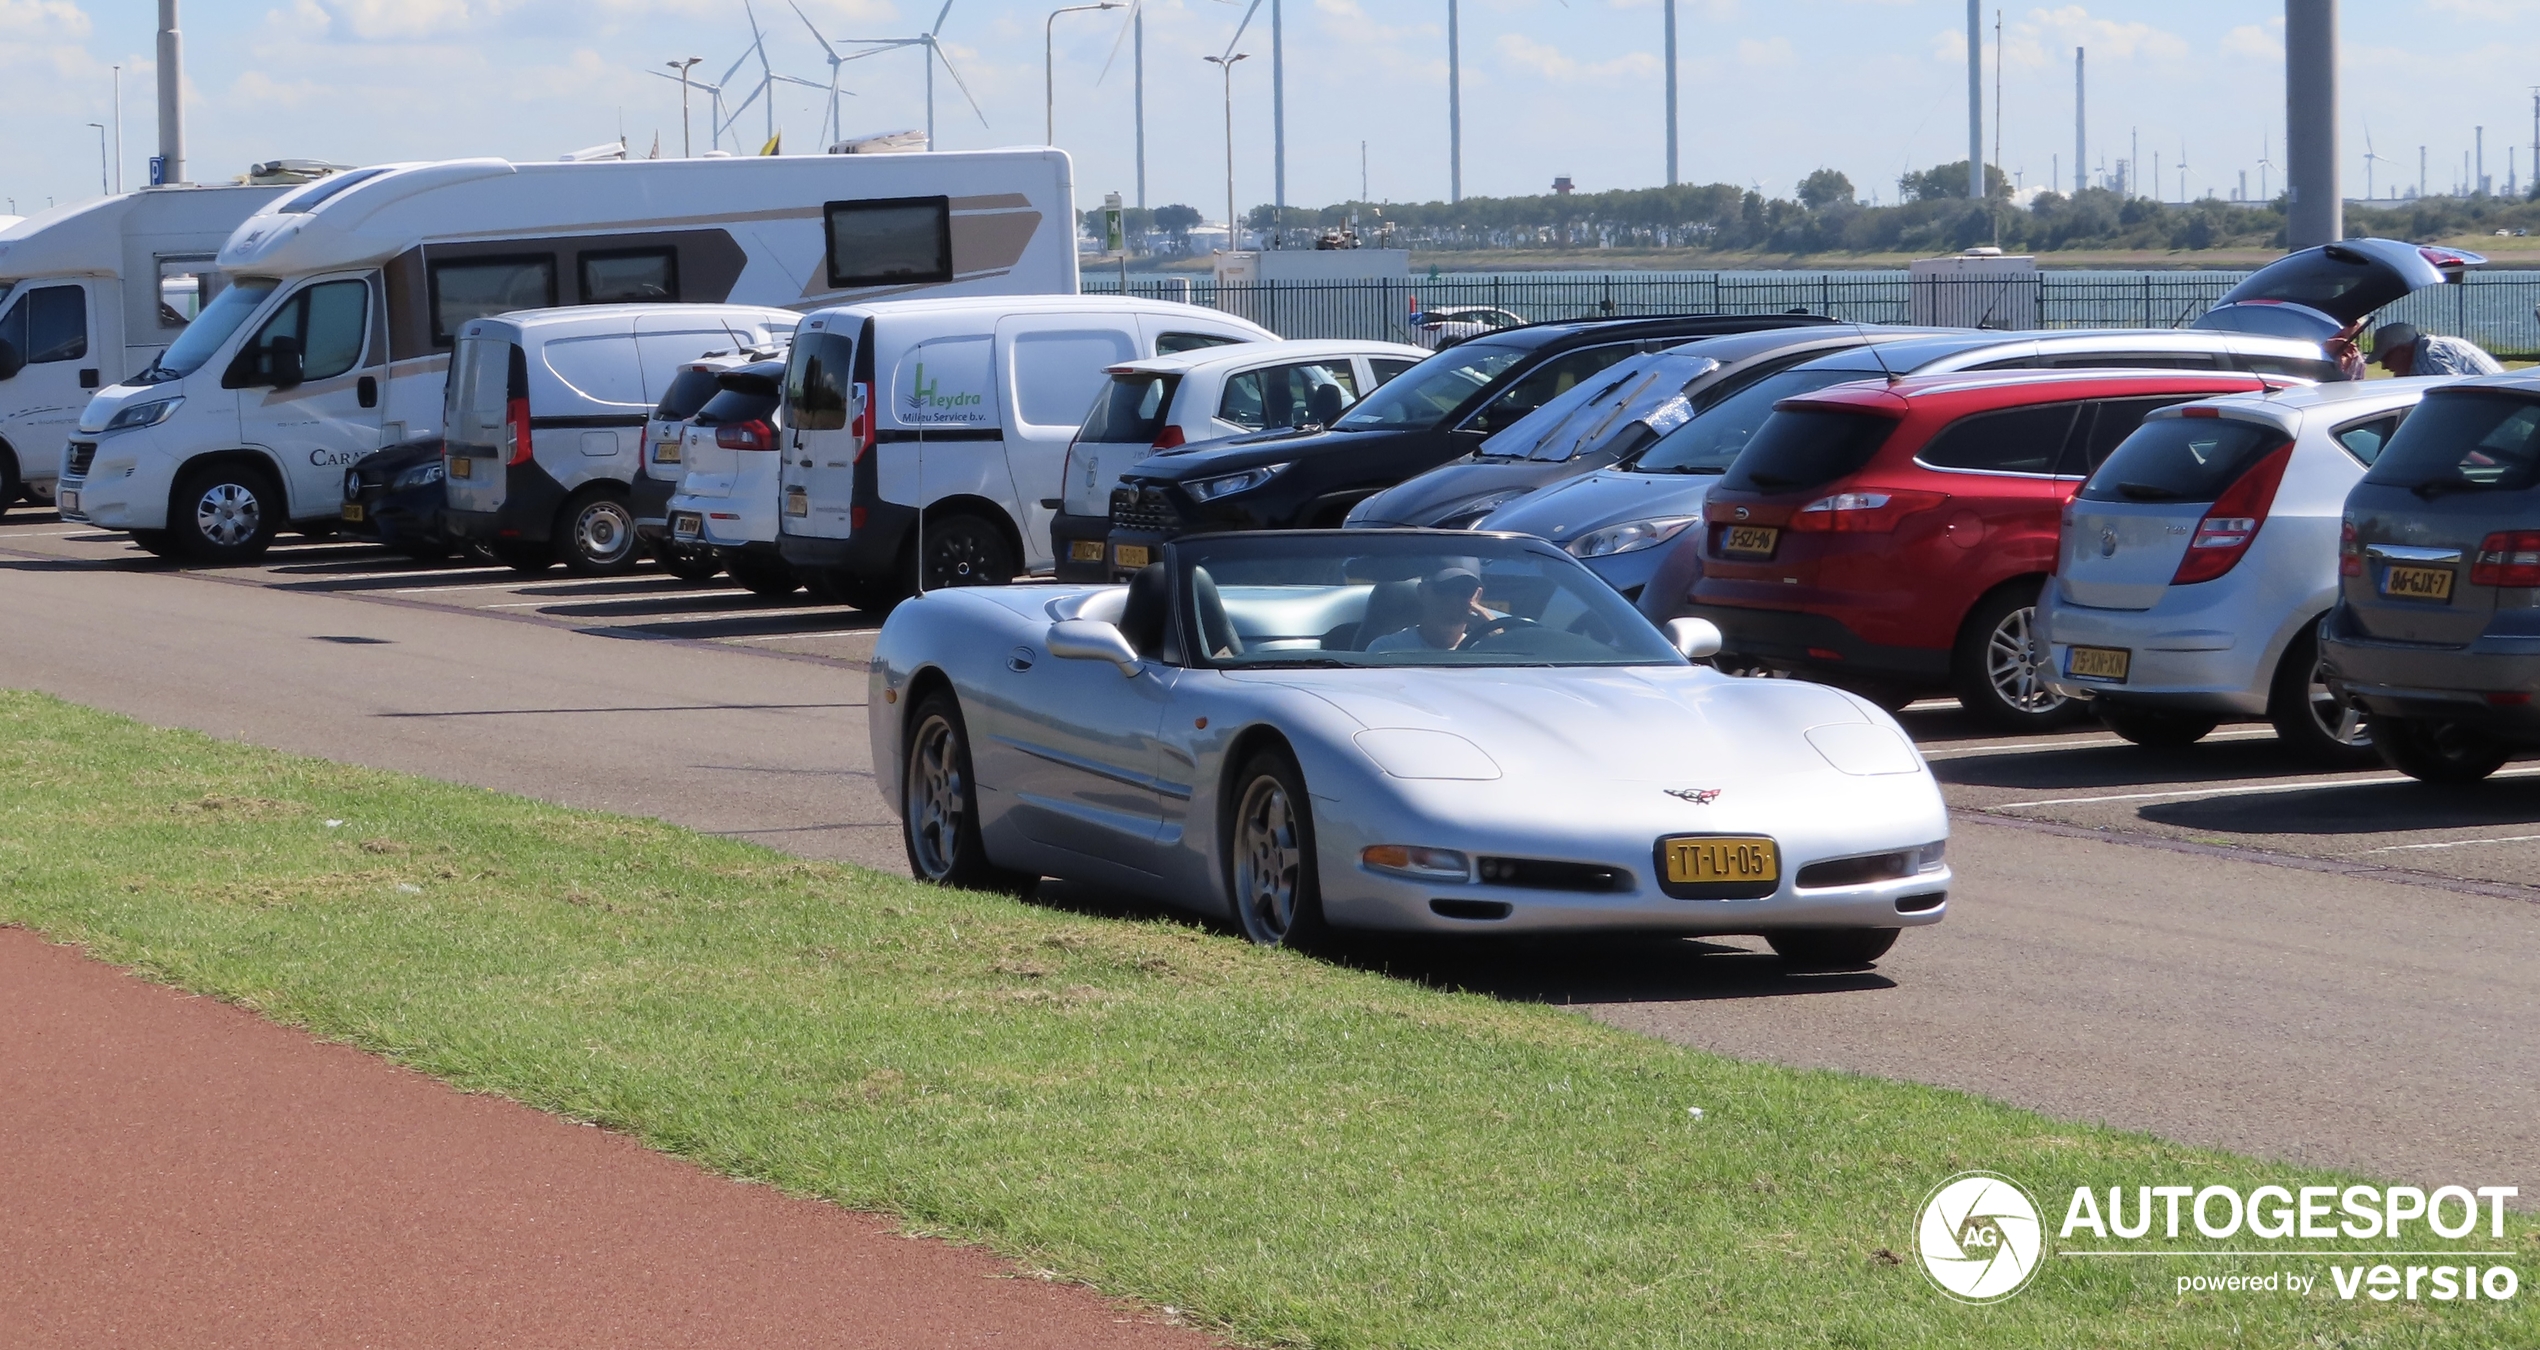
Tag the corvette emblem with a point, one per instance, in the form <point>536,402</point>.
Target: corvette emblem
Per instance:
<point>1697,796</point>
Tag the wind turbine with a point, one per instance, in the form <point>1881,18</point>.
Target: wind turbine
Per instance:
<point>934,52</point>
<point>1134,25</point>
<point>714,106</point>
<point>766,86</point>
<point>2264,164</point>
<point>837,132</point>
<point>2369,159</point>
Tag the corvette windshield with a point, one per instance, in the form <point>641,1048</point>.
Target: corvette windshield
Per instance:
<point>1307,600</point>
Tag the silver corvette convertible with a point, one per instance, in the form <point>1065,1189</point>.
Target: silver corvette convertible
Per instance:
<point>1422,730</point>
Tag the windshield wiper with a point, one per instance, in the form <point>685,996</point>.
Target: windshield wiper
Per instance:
<point>2436,487</point>
<point>2149,492</point>
<point>1291,663</point>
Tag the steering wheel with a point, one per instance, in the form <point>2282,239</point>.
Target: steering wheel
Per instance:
<point>1497,628</point>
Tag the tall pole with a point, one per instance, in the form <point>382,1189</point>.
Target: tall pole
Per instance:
<point>171,96</point>
<point>1049,66</point>
<point>686,151</point>
<point>2316,213</point>
<point>1671,94</point>
<point>102,189</point>
<point>930,91</point>
<point>2478,180</point>
<point>118,128</point>
<point>1975,100</point>
<point>1278,125</point>
<point>1226,65</point>
<point>2081,138</point>
<point>1455,107</point>
<point>1138,62</point>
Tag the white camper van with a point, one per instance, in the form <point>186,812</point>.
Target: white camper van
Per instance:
<point>88,295</point>
<point>332,334</point>
<point>961,408</point>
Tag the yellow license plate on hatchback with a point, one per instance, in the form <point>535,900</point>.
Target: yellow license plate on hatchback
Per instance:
<point>1749,541</point>
<point>1132,555</point>
<point>1085,550</point>
<point>353,512</point>
<point>2418,583</point>
<point>1703,859</point>
<point>462,467</point>
<point>2098,663</point>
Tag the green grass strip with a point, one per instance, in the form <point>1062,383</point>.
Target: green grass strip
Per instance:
<point>1293,1153</point>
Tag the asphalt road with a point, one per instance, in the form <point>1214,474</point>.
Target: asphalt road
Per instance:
<point>2220,944</point>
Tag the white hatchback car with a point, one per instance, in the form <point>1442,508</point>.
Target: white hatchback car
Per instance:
<point>727,497</point>
<point>1167,401</point>
<point>2195,564</point>
<point>665,452</point>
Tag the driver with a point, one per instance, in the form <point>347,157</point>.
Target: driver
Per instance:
<point>1449,605</point>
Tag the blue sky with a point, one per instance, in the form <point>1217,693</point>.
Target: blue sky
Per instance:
<point>1772,88</point>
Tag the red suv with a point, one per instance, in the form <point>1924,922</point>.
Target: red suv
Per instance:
<point>1890,537</point>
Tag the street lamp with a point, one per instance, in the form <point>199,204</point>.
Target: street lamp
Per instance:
<point>682,68</point>
<point>1049,64</point>
<point>1226,64</point>
<point>102,189</point>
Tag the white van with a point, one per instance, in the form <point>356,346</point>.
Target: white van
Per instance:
<point>962,408</point>
<point>546,422</point>
<point>342,300</point>
<point>88,295</point>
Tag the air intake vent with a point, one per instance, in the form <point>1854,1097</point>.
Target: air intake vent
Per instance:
<point>1539,874</point>
<point>82,454</point>
<point>1470,909</point>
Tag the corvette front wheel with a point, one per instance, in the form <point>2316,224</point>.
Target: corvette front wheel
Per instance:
<point>1270,875</point>
<point>939,804</point>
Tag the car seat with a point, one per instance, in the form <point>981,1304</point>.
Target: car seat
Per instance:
<point>1217,635</point>
<point>1391,607</point>
<point>1324,406</point>
<point>1148,609</point>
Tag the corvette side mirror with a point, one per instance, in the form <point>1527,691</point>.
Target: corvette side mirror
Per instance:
<point>1094,640</point>
<point>1696,638</point>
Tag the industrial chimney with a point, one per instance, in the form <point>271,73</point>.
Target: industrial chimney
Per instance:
<point>2081,136</point>
<point>170,166</point>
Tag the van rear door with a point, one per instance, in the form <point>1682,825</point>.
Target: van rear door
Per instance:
<point>1054,366</point>
<point>487,419</point>
<point>827,429</point>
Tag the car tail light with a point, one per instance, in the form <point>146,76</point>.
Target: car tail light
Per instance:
<point>755,434</point>
<point>2507,558</point>
<point>1170,439</point>
<point>863,427</point>
<point>516,428</point>
<point>2350,551</point>
<point>2232,522</point>
<point>1862,512</point>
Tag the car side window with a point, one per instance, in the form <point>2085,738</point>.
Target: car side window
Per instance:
<point>1384,368</point>
<point>1167,344</point>
<point>2110,421</point>
<point>1543,384</point>
<point>2364,439</point>
<point>328,322</point>
<point>1288,396</point>
<point>49,323</point>
<point>2014,440</point>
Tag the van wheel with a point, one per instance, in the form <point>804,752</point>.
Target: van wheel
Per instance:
<point>523,555</point>
<point>596,534</point>
<point>688,564</point>
<point>11,486</point>
<point>770,577</point>
<point>2308,715</point>
<point>964,550</point>
<point>156,543</point>
<point>2152,728</point>
<point>1999,668</point>
<point>2438,752</point>
<point>225,514</point>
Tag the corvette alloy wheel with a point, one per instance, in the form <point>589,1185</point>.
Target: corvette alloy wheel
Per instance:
<point>1270,853</point>
<point>938,799</point>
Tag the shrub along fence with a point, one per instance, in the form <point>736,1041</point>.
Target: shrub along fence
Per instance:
<point>2495,309</point>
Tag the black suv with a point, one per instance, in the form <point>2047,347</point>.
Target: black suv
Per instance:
<point>1436,411</point>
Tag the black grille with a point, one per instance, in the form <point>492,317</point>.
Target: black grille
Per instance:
<point>1539,874</point>
<point>82,452</point>
<point>1143,509</point>
<point>1859,871</point>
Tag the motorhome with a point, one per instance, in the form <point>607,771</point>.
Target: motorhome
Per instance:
<point>331,334</point>
<point>953,416</point>
<point>89,294</point>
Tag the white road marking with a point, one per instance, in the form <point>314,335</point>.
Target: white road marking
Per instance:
<point>2456,843</point>
<point>586,599</point>
<point>512,584</point>
<point>2287,785</point>
<point>89,530</point>
<point>782,637</point>
<point>1963,750</point>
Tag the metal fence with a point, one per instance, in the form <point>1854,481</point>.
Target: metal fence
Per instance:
<point>2494,309</point>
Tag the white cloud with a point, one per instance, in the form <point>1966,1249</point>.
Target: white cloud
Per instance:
<point>43,21</point>
<point>1551,63</point>
<point>2487,11</point>
<point>2255,40</point>
<point>2074,26</point>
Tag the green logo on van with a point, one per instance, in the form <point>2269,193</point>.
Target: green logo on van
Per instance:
<point>926,398</point>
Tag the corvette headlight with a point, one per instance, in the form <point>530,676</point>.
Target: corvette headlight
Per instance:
<point>1628,538</point>
<point>422,475</point>
<point>1928,857</point>
<point>1210,489</point>
<point>1417,863</point>
<point>135,415</point>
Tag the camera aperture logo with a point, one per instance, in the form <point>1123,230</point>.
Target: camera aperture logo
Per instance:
<point>1979,1237</point>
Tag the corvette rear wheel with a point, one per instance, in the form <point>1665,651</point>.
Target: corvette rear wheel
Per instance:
<point>939,804</point>
<point>1831,948</point>
<point>1270,876</point>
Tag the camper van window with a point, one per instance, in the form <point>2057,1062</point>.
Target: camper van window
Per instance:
<point>48,323</point>
<point>229,310</point>
<point>630,276</point>
<point>888,242</point>
<point>323,191</point>
<point>327,321</point>
<point>1169,343</point>
<point>471,288</point>
<point>817,381</point>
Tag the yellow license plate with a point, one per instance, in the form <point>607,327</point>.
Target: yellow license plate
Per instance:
<point>1085,550</point>
<point>1749,541</point>
<point>686,524</point>
<point>1132,555</point>
<point>1702,859</point>
<point>462,467</point>
<point>353,512</point>
<point>666,452</point>
<point>2098,663</point>
<point>2418,583</point>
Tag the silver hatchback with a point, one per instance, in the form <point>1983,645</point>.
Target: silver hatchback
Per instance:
<point>2195,565</point>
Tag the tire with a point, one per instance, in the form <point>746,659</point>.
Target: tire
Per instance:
<point>939,803</point>
<point>1997,668</point>
<point>965,550</point>
<point>521,555</point>
<point>156,543</point>
<point>2438,752</point>
<point>770,577</point>
<point>1831,948</point>
<point>595,534</point>
<point>2153,728</point>
<point>1271,882</point>
<point>318,530</point>
<point>12,487</point>
<point>2308,716</point>
<point>688,564</point>
<point>224,515</point>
